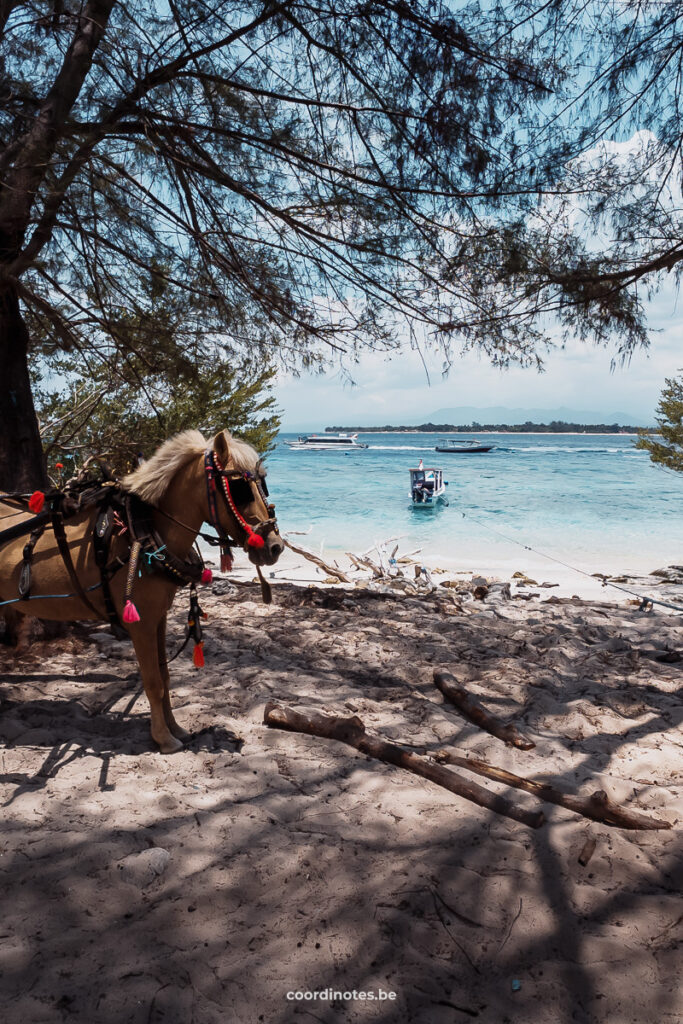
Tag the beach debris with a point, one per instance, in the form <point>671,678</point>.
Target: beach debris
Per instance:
<point>223,588</point>
<point>476,713</point>
<point>671,574</point>
<point>329,569</point>
<point>597,807</point>
<point>352,732</point>
<point>587,851</point>
<point>363,562</point>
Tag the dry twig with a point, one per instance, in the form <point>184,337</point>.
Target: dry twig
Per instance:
<point>474,712</point>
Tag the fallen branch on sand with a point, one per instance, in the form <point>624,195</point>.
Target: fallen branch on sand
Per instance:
<point>352,731</point>
<point>474,712</point>
<point>361,562</point>
<point>329,569</point>
<point>597,807</point>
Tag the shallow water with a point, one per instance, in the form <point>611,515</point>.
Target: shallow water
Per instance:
<point>590,500</point>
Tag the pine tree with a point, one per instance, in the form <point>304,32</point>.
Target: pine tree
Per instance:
<point>288,177</point>
<point>666,449</point>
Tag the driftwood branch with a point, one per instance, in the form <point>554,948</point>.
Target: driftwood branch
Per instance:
<point>474,712</point>
<point>329,569</point>
<point>363,562</point>
<point>597,807</point>
<point>352,731</point>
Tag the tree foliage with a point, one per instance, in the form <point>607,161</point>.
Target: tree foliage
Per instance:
<point>315,176</point>
<point>119,417</point>
<point>291,174</point>
<point>666,448</point>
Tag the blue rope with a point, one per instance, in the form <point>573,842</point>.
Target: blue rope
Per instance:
<point>47,597</point>
<point>149,555</point>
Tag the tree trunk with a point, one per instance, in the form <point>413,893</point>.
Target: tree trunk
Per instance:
<point>22,464</point>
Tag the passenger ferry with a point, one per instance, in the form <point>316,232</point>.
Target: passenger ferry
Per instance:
<point>326,443</point>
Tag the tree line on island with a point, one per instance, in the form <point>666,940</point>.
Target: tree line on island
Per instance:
<point>554,427</point>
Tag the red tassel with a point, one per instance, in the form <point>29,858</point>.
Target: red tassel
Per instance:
<point>198,655</point>
<point>130,613</point>
<point>226,563</point>
<point>255,541</point>
<point>36,502</point>
<point>207,576</point>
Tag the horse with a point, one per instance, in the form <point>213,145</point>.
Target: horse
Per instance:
<point>183,485</point>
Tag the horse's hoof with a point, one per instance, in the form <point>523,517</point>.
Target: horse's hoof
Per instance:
<point>171,746</point>
<point>180,733</point>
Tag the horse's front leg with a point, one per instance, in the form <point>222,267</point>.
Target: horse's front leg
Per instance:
<point>177,730</point>
<point>145,642</point>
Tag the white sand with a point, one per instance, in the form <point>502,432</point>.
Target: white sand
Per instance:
<point>206,886</point>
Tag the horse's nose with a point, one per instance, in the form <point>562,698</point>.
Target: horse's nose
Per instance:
<point>275,546</point>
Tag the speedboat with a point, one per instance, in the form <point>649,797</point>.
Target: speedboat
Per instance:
<point>468,446</point>
<point>326,443</point>
<point>427,487</point>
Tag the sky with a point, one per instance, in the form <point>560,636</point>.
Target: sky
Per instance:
<point>398,389</point>
<point>395,390</point>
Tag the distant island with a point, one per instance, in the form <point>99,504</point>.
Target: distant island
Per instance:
<point>554,427</point>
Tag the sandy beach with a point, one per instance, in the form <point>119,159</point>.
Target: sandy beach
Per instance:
<point>215,884</point>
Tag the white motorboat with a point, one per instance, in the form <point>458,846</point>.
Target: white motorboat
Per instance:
<point>326,443</point>
<point>427,486</point>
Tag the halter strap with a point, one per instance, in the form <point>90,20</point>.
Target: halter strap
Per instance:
<point>212,469</point>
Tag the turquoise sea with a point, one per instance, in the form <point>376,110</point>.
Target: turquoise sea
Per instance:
<point>590,500</point>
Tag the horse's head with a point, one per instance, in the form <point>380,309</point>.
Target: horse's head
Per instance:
<point>237,499</point>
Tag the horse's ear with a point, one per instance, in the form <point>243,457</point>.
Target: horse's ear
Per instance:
<point>220,446</point>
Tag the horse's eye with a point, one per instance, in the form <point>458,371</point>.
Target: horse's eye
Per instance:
<point>241,491</point>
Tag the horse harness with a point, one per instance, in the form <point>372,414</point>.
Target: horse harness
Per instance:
<point>228,483</point>
<point>121,512</point>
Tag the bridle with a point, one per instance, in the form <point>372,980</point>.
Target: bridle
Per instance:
<point>218,482</point>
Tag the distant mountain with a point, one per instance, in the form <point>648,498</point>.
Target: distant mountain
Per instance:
<point>501,414</point>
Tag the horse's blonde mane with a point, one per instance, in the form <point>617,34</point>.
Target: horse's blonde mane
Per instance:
<point>151,480</point>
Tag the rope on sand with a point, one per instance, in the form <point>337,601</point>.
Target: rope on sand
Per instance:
<point>644,600</point>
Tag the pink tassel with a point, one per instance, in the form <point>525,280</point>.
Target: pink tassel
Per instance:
<point>226,563</point>
<point>207,576</point>
<point>130,613</point>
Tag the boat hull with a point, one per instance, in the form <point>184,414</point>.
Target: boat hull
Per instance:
<point>479,450</point>
<point>296,446</point>
<point>432,501</point>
